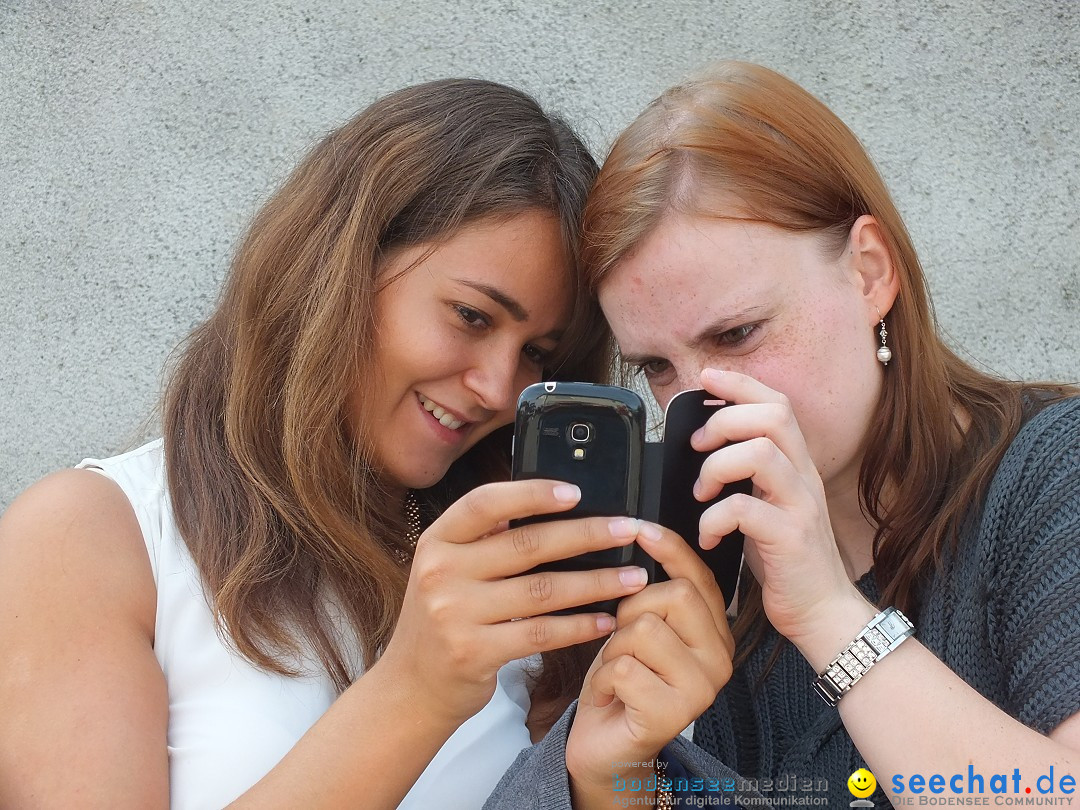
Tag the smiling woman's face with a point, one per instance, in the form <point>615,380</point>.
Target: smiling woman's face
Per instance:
<point>753,298</point>
<point>460,332</point>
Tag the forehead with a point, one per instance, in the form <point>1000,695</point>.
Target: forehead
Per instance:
<point>692,266</point>
<point>509,268</point>
<point>739,256</point>
<point>492,240</point>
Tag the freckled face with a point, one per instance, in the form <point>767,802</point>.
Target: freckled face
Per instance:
<point>749,297</point>
<point>460,332</point>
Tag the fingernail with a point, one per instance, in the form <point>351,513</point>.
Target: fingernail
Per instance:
<point>605,624</point>
<point>649,532</point>
<point>567,493</point>
<point>712,374</point>
<point>624,527</point>
<point>698,435</point>
<point>631,577</point>
<point>697,488</point>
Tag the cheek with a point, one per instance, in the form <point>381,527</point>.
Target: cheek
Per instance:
<point>499,420</point>
<point>786,361</point>
<point>800,363</point>
<point>396,348</point>
<point>525,375</point>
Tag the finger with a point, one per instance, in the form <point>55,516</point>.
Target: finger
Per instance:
<point>500,527</point>
<point>652,641</point>
<point>657,709</point>
<point>752,516</point>
<point>759,460</point>
<point>525,637</point>
<point>680,561</point>
<point>739,388</point>
<point>481,510</point>
<point>773,420</point>
<point>682,606</point>
<point>586,686</point>
<point>524,547</point>
<point>627,679</point>
<point>546,591</point>
<point>660,710</point>
<point>656,644</point>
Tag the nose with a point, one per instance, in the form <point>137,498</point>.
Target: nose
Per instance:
<point>687,376</point>
<point>493,378</point>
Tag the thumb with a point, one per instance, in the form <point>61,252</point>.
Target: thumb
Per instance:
<point>589,696</point>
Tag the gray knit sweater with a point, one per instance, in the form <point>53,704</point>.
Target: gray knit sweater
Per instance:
<point>1004,614</point>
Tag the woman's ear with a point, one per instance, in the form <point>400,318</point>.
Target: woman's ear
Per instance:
<point>878,280</point>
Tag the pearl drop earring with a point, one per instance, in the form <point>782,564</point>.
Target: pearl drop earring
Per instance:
<point>884,353</point>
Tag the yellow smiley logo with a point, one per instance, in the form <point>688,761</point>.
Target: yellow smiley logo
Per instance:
<point>861,783</point>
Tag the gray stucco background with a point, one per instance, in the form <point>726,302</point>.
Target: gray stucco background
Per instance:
<point>137,139</point>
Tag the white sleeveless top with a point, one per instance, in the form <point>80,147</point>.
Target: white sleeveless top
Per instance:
<point>231,722</point>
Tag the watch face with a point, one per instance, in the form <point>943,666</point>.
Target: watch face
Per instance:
<point>894,625</point>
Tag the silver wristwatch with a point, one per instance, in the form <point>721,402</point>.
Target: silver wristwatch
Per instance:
<point>881,636</point>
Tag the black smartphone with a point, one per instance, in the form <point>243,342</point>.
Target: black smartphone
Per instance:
<point>590,435</point>
<point>678,510</point>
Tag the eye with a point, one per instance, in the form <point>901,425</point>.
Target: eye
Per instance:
<point>535,355</point>
<point>472,318</point>
<point>653,370</point>
<point>736,336</point>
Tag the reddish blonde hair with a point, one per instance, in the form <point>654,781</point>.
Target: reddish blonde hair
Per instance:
<point>745,133</point>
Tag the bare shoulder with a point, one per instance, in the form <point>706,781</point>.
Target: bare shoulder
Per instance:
<point>83,704</point>
<point>74,535</point>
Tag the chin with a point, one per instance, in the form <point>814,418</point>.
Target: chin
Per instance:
<point>417,472</point>
<point>421,479</point>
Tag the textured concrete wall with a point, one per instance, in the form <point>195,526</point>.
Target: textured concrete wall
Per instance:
<point>137,138</point>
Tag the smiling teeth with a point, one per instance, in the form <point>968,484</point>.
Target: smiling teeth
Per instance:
<point>445,419</point>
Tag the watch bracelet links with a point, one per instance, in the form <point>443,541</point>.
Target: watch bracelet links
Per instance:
<point>882,634</point>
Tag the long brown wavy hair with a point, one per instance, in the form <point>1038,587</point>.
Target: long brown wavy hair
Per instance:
<point>745,132</point>
<point>285,515</point>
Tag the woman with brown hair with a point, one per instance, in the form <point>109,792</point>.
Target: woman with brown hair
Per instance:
<point>909,601</point>
<point>301,592</point>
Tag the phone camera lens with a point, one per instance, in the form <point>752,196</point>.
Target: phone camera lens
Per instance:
<point>580,432</point>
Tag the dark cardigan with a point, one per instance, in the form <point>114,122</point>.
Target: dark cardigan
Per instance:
<point>1003,614</point>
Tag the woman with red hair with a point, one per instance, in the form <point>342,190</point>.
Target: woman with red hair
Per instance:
<point>910,599</point>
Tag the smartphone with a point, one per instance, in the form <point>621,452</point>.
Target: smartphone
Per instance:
<point>677,508</point>
<point>590,435</point>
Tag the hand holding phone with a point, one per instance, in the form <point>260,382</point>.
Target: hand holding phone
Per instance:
<point>592,436</point>
<point>679,637</point>
<point>469,581</point>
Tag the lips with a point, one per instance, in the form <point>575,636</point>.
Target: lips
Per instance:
<point>444,417</point>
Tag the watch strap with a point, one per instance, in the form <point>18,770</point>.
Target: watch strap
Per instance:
<point>883,634</point>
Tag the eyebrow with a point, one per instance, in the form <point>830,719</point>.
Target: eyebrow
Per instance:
<point>516,310</point>
<point>717,327</point>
